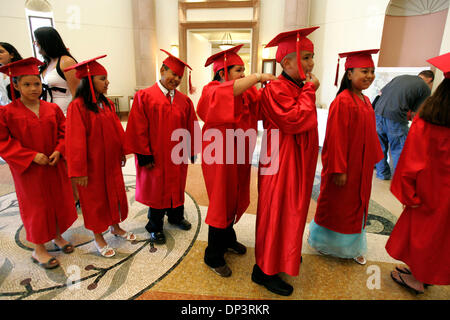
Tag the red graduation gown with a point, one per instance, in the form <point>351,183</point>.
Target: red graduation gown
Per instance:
<point>421,236</point>
<point>351,146</point>
<point>44,193</point>
<point>151,123</point>
<point>284,197</point>
<point>228,185</point>
<point>94,143</point>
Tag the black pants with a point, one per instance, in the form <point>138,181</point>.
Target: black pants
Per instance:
<point>156,217</point>
<point>219,240</point>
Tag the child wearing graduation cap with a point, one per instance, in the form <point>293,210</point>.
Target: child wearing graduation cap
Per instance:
<point>350,151</point>
<point>228,103</point>
<point>96,155</point>
<point>289,110</point>
<point>32,143</point>
<point>160,181</point>
<point>421,182</point>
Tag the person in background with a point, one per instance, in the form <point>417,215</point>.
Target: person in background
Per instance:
<point>96,155</point>
<point>401,94</point>
<point>8,54</point>
<point>32,143</point>
<point>155,115</point>
<point>228,103</point>
<point>59,86</point>
<point>288,107</point>
<point>350,151</point>
<point>421,182</point>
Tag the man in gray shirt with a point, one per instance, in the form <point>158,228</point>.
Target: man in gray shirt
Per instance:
<point>402,94</point>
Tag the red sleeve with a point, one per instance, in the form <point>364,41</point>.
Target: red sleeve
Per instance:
<point>120,130</point>
<point>292,115</point>
<point>137,133</point>
<point>76,140</point>
<point>412,160</point>
<point>218,103</point>
<point>336,143</point>
<point>11,149</point>
<point>61,141</point>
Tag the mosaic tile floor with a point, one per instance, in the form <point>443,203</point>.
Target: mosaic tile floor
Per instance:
<point>176,271</point>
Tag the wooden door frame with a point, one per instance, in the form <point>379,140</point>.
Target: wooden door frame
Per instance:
<point>185,25</point>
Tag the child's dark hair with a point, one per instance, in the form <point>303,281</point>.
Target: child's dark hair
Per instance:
<point>84,91</point>
<point>436,108</point>
<point>345,82</point>
<point>217,75</point>
<point>11,50</point>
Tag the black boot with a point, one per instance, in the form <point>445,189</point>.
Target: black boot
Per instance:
<point>272,283</point>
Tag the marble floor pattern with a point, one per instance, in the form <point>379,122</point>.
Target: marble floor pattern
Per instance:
<point>175,271</point>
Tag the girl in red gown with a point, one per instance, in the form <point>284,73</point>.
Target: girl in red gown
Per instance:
<point>32,143</point>
<point>95,155</point>
<point>421,182</point>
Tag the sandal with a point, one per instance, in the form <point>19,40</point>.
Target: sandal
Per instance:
<point>363,262</point>
<point>127,236</point>
<point>405,270</point>
<point>403,283</point>
<point>68,248</point>
<point>103,251</point>
<point>50,264</point>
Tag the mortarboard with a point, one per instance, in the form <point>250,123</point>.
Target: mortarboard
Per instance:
<point>28,66</point>
<point>293,41</point>
<point>177,65</point>
<point>442,62</point>
<point>224,59</point>
<point>89,68</point>
<point>356,59</point>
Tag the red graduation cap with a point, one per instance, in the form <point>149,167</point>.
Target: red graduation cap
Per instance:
<point>28,66</point>
<point>356,59</point>
<point>89,68</point>
<point>442,62</point>
<point>224,59</point>
<point>293,41</point>
<point>177,65</point>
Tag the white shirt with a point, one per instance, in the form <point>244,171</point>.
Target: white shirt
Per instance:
<point>165,91</point>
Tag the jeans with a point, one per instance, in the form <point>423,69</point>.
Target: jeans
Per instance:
<point>392,134</point>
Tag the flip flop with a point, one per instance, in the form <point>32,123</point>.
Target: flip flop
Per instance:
<point>47,265</point>
<point>68,248</point>
<point>405,270</point>
<point>403,283</point>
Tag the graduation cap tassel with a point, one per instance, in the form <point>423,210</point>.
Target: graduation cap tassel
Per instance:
<point>94,99</point>
<point>299,58</point>
<point>11,87</point>
<point>225,69</point>
<point>337,74</point>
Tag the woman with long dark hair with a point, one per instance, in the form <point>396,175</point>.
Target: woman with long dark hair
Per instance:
<point>421,183</point>
<point>95,154</point>
<point>59,86</point>
<point>8,54</point>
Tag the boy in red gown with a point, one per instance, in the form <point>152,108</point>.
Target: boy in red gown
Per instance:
<point>155,115</point>
<point>289,110</point>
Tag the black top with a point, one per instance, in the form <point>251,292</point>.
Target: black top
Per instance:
<point>402,94</point>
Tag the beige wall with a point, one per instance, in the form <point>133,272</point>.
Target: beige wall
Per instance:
<point>358,25</point>
<point>410,41</point>
<point>102,29</point>
<point>445,48</point>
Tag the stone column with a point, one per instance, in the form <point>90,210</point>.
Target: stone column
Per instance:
<point>296,14</point>
<point>145,44</point>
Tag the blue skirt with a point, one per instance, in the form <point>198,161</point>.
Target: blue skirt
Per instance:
<point>337,244</point>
